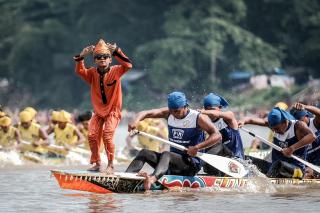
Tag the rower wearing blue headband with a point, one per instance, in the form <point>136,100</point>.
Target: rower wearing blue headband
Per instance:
<point>304,113</point>
<point>227,125</point>
<point>186,127</point>
<point>292,136</point>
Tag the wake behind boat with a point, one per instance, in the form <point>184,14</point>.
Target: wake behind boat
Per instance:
<point>121,182</point>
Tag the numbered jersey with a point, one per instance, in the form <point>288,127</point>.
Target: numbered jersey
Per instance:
<point>185,132</point>
<point>285,140</point>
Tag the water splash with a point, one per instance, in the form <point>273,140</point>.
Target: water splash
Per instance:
<point>10,158</point>
<point>257,181</point>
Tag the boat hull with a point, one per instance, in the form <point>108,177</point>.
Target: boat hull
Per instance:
<point>130,183</point>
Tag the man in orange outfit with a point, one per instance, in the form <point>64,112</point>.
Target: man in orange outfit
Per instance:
<point>106,97</point>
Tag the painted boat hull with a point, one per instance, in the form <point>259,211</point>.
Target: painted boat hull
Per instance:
<point>130,183</point>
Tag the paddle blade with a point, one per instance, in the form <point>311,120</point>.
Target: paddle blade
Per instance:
<point>228,166</point>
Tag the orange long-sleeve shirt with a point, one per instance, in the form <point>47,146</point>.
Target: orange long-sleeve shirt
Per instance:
<point>111,83</point>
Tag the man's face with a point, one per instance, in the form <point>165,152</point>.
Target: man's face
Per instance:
<point>102,60</point>
<point>4,128</point>
<point>62,125</point>
<point>305,119</point>
<point>179,113</point>
<point>85,124</point>
<point>26,125</point>
<point>281,128</point>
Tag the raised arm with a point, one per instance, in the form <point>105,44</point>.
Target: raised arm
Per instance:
<point>122,59</point>
<point>314,110</point>
<point>254,121</point>
<point>153,113</point>
<point>80,69</point>
<point>227,116</point>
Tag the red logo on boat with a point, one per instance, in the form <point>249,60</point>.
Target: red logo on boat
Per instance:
<point>234,168</point>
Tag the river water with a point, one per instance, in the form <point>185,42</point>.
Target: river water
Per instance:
<point>30,188</point>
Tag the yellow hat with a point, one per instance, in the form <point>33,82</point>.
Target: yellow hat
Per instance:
<point>64,116</point>
<point>25,116</point>
<point>142,126</point>
<point>101,48</point>
<point>5,121</point>
<point>55,115</point>
<point>281,105</point>
<point>2,113</point>
<point>32,111</point>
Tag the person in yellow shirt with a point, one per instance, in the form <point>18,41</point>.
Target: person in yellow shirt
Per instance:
<point>66,134</point>
<point>9,135</point>
<point>152,126</point>
<point>30,131</point>
<point>53,121</point>
<point>83,126</point>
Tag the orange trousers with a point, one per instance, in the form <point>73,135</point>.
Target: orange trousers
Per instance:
<point>105,126</point>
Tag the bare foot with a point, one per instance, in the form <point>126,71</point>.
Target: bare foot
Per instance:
<point>148,181</point>
<point>309,173</point>
<point>95,168</point>
<point>109,170</point>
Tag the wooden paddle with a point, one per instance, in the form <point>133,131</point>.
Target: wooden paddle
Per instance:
<point>278,148</point>
<point>61,149</point>
<point>228,166</point>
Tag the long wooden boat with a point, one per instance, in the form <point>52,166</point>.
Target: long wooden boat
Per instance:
<point>131,183</point>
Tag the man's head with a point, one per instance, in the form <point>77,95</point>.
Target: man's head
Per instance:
<point>278,120</point>
<point>84,118</point>
<point>25,119</point>
<point>215,102</point>
<point>63,118</point>
<point>301,115</point>
<point>178,104</point>
<point>102,55</point>
<point>5,123</point>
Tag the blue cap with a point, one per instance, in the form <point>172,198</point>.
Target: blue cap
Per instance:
<point>177,100</point>
<point>277,116</point>
<point>298,114</point>
<point>213,100</point>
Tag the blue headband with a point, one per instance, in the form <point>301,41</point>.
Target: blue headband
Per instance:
<point>277,116</point>
<point>213,100</point>
<point>177,100</point>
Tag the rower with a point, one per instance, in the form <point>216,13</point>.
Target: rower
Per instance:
<point>227,125</point>
<point>31,131</point>
<point>186,127</point>
<point>66,134</point>
<point>83,126</point>
<point>304,113</point>
<point>9,135</point>
<point>149,126</point>
<point>292,136</point>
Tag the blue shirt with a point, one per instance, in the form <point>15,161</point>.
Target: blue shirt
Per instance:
<point>230,138</point>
